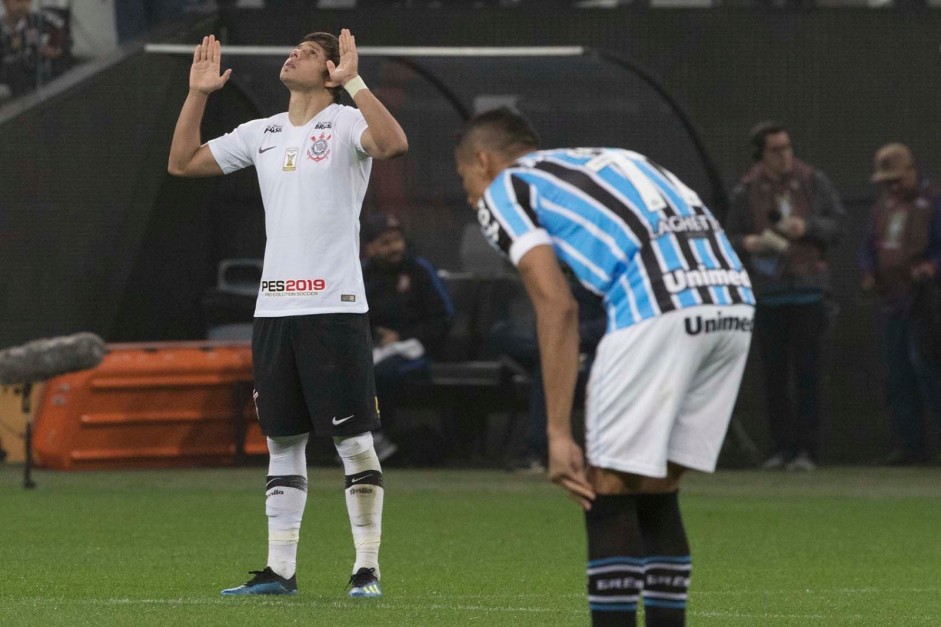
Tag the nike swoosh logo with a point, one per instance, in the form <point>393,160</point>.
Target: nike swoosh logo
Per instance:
<point>264,150</point>
<point>358,480</point>
<point>341,420</point>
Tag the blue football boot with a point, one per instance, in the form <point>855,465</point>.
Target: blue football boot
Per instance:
<point>364,584</point>
<point>265,582</point>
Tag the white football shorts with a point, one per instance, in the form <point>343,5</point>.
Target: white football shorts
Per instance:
<point>664,389</point>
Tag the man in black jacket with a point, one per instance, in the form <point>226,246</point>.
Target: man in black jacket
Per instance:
<point>409,313</point>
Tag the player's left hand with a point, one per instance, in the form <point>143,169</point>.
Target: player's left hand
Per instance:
<point>349,60</point>
<point>567,470</point>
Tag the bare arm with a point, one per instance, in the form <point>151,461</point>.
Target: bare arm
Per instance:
<point>188,156</point>
<point>384,138</point>
<point>557,326</point>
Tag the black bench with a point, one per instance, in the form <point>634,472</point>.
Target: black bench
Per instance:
<point>473,381</point>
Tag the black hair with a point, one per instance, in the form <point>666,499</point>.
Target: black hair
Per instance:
<point>331,49</point>
<point>759,134</point>
<point>503,130</point>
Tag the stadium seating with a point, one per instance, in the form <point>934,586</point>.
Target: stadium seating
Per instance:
<point>473,381</point>
<point>229,306</point>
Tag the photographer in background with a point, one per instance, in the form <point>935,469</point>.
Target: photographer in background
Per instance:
<point>784,216</point>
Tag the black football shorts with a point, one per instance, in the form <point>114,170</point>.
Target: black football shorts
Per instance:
<point>314,373</point>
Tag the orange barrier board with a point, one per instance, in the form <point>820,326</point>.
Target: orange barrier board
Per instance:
<point>151,405</point>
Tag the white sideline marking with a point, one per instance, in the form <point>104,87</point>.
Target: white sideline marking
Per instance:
<point>291,601</point>
<point>765,615</point>
<point>757,617</point>
<point>417,604</point>
<point>753,591</point>
<point>345,604</point>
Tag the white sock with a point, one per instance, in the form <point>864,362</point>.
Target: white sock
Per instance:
<point>285,498</point>
<point>364,496</point>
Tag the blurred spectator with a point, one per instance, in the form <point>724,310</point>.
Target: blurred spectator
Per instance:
<point>34,47</point>
<point>784,216</point>
<point>900,257</point>
<point>409,312</point>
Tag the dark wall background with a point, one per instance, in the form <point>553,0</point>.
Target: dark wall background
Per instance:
<point>78,178</point>
<point>95,236</point>
<point>845,80</point>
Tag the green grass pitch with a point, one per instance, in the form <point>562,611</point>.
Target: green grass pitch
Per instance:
<point>845,546</point>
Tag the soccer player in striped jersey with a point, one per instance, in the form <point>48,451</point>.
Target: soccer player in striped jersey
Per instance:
<point>679,308</point>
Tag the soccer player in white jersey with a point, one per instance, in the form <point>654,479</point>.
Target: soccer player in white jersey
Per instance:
<point>668,369</point>
<point>311,348</point>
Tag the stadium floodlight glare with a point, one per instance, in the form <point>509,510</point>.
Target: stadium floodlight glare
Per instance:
<point>391,51</point>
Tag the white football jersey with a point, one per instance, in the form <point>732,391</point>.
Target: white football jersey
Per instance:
<point>313,179</point>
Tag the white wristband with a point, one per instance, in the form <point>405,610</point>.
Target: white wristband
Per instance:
<point>353,85</point>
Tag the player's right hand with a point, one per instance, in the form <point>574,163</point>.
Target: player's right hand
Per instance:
<point>348,68</point>
<point>204,75</point>
<point>567,470</point>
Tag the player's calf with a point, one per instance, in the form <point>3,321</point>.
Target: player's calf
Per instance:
<point>615,560</point>
<point>668,563</point>
<point>364,500</point>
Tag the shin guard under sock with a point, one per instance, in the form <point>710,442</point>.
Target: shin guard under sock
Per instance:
<point>364,497</point>
<point>285,499</point>
<point>615,560</point>
<point>668,563</point>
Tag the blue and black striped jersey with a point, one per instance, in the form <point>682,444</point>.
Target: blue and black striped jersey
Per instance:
<point>629,230</point>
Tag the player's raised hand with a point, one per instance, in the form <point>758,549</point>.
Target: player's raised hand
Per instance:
<point>349,60</point>
<point>204,74</point>
<point>567,470</point>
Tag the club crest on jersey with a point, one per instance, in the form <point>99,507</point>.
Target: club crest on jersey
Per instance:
<point>319,148</point>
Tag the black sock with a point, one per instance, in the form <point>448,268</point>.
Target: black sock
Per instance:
<point>666,581</point>
<point>615,561</point>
